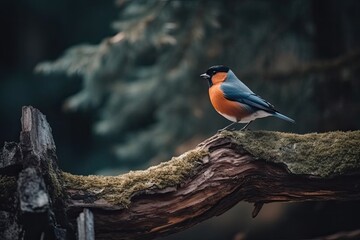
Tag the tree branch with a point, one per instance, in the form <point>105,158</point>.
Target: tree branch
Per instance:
<point>254,166</point>
<point>257,167</point>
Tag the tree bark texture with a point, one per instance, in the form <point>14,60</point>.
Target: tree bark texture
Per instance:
<point>254,166</point>
<point>31,197</point>
<point>257,167</point>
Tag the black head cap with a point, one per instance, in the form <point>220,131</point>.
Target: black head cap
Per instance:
<point>213,70</point>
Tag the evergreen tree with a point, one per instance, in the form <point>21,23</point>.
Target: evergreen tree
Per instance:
<point>144,81</point>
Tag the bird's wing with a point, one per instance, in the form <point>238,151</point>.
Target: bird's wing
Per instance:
<point>237,83</point>
<point>233,93</point>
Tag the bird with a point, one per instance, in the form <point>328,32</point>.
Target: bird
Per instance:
<point>232,99</point>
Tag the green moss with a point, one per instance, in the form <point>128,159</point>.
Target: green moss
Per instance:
<point>119,189</point>
<point>55,181</point>
<point>7,188</point>
<point>321,154</point>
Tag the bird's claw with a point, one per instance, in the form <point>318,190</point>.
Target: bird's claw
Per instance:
<point>226,129</point>
<point>220,130</point>
<point>245,127</point>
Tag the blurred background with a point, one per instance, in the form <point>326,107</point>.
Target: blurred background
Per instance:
<point>119,84</point>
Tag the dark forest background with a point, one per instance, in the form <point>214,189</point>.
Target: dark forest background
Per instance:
<point>119,84</point>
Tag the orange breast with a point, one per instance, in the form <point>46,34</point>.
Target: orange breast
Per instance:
<point>224,106</point>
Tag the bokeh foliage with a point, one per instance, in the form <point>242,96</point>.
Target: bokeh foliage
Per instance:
<point>142,95</point>
<point>143,81</point>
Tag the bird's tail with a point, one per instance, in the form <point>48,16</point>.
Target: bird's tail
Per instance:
<point>283,117</point>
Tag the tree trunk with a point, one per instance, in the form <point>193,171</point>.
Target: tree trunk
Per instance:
<point>254,166</point>
<point>31,195</point>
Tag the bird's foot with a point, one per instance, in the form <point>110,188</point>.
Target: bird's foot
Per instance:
<point>227,128</point>
<point>221,130</point>
<point>245,127</point>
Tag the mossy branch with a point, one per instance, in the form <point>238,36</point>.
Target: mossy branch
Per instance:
<point>254,166</point>
<point>258,167</point>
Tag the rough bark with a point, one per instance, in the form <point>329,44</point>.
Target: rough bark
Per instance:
<point>31,193</point>
<point>257,167</point>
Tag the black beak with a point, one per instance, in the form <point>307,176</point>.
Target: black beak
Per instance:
<point>205,76</point>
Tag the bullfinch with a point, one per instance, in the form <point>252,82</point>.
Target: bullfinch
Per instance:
<point>234,100</point>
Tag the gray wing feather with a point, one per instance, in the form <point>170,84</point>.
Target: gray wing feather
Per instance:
<point>235,90</point>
